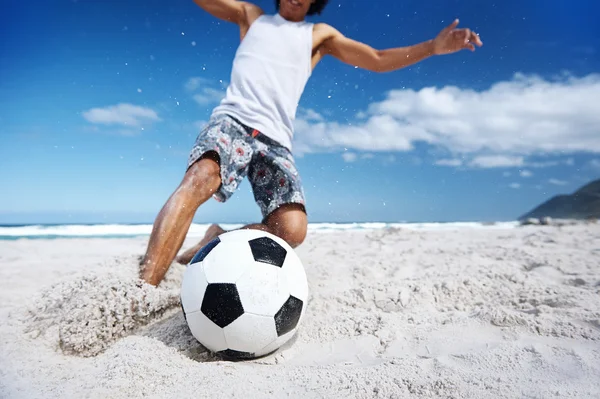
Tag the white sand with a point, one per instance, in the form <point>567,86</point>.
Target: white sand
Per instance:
<point>496,313</point>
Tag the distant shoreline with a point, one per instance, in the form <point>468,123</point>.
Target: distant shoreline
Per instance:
<point>246,222</point>
<point>54,231</point>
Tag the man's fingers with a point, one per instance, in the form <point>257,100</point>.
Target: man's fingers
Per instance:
<point>476,39</point>
<point>466,35</point>
<point>469,38</point>
<point>448,28</point>
<point>463,38</point>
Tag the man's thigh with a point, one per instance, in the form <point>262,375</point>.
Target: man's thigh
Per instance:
<point>275,180</point>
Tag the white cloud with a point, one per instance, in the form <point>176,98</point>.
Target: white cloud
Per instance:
<point>515,185</point>
<point>310,114</point>
<point>449,162</point>
<point>557,182</point>
<point>328,136</point>
<point>526,173</point>
<point>511,120</point>
<point>194,83</point>
<point>121,114</point>
<point>208,96</point>
<point>352,157</point>
<point>208,92</point>
<point>349,156</point>
<point>594,163</point>
<point>543,164</point>
<point>546,164</point>
<point>496,161</point>
<point>506,174</point>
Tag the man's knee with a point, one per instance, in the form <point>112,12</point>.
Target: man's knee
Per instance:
<point>203,176</point>
<point>293,233</point>
<point>290,223</point>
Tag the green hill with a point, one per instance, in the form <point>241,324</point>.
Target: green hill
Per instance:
<point>582,204</point>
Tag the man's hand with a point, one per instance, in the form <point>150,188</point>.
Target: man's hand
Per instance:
<point>451,40</point>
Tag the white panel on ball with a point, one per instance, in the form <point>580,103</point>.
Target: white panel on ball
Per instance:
<point>279,342</point>
<point>227,262</point>
<point>250,333</point>
<point>263,289</point>
<point>206,332</point>
<point>193,288</point>
<point>293,270</point>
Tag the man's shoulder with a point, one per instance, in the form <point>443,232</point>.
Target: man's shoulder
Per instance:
<point>323,31</point>
<point>326,30</point>
<point>251,11</point>
<point>322,26</point>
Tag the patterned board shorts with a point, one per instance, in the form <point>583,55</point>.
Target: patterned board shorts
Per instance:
<point>243,152</point>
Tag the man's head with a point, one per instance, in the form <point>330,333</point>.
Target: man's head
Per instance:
<point>296,10</point>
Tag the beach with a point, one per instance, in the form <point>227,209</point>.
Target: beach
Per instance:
<point>452,311</point>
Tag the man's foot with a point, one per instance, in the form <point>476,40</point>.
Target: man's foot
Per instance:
<point>211,233</point>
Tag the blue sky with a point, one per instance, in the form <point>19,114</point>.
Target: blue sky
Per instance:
<point>100,103</point>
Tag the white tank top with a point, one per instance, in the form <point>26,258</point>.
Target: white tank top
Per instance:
<point>269,74</point>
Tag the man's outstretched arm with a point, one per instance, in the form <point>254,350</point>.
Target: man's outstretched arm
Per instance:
<point>237,12</point>
<point>352,52</point>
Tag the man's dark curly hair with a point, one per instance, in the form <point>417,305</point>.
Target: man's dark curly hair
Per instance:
<point>315,8</point>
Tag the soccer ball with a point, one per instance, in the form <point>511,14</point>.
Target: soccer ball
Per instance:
<point>244,294</point>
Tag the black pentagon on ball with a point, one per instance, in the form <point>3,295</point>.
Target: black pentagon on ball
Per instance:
<point>267,250</point>
<point>205,250</point>
<point>286,318</point>
<point>222,304</point>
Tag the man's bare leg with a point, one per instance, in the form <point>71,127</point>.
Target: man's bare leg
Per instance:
<point>173,221</point>
<point>288,222</point>
<point>212,232</point>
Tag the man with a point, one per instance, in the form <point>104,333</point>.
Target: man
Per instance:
<point>250,132</point>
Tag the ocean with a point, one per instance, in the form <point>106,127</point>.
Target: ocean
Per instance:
<point>51,231</point>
